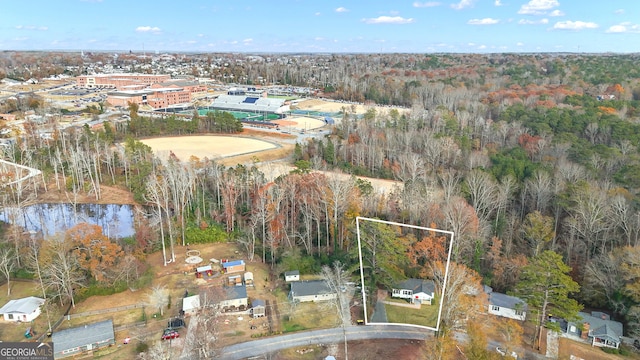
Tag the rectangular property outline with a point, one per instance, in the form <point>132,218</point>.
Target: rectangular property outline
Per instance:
<point>446,272</point>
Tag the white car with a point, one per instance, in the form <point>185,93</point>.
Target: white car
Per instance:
<point>503,352</point>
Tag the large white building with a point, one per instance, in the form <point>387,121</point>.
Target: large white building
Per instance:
<point>22,310</point>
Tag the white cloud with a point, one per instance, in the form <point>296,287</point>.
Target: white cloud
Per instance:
<point>144,29</point>
<point>537,7</point>
<point>426,4</point>
<point>31,27</point>
<point>574,25</point>
<point>556,13</point>
<point>485,21</point>
<point>341,9</point>
<point>317,14</point>
<point>533,22</point>
<point>191,41</point>
<point>247,41</point>
<point>625,27</point>
<point>498,3</point>
<point>388,20</point>
<point>519,44</point>
<point>619,12</point>
<point>462,4</point>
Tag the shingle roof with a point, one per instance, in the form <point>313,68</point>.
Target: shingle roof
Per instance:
<point>258,302</point>
<point>236,292</point>
<point>605,332</point>
<point>312,287</point>
<point>292,273</point>
<point>597,323</point>
<point>99,332</point>
<point>506,301</point>
<point>418,286</point>
<point>22,306</point>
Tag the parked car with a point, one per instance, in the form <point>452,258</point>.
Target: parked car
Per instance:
<point>502,351</point>
<point>170,334</point>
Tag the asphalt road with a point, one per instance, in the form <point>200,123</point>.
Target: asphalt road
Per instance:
<point>325,336</point>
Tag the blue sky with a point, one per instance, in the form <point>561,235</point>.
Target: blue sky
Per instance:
<point>325,26</point>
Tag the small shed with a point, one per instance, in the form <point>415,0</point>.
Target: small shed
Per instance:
<point>248,278</point>
<point>69,342</point>
<point>293,275</point>
<point>233,266</point>
<point>258,308</point>
<point>204,271</point>
<point>191,304</point>
<point>234,280</point>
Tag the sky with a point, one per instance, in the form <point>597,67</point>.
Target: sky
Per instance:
<point>325,26</point>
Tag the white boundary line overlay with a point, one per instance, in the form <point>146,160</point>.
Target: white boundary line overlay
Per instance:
<point>32,172</point>
<point>446,273</point>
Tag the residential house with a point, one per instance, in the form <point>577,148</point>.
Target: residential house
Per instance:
<point>80,339</point>
<point>417,291</point>
<point>505,305</point>
<point>313,290</point>
<point>293,275</point>
<point>233,266</point>
<point>24,310</point>
<point>596,328</point>
<point>235,298</point>
<point>191,304</point>
<point>258,308</point>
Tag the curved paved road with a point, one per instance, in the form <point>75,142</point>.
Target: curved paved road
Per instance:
<point>325,336</point>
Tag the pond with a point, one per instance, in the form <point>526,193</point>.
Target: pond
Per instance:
<point>116,220</point>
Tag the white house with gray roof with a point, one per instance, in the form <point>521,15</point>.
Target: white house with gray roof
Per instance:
<point>506,305</point>
<point>312,290</point>
<point>417,291</point>
<point>22,310</point>
<point>69,342</point>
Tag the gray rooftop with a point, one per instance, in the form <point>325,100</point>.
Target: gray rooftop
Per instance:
<point>311,287</point>
<point>418,286</point>
<point>506,301</point>
<point>601,325</point>
<point>22,306</point>
<point>292,273</point>
<point>99,332</point>
<point>236,292</point>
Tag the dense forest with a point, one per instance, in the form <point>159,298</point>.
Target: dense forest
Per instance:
<point>519,155</point>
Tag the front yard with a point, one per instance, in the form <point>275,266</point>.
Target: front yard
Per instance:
<point>426,315</point>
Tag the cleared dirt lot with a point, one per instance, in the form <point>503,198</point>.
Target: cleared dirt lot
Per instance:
<point>209,146</point>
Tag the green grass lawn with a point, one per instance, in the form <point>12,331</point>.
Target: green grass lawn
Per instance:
<point>427,315</point>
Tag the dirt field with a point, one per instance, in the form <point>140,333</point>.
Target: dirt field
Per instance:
<point>300,123</point>
<point>210,146</point>
<point>336,106</point>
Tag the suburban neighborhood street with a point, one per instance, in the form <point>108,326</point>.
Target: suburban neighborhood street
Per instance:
<point>325,336</point>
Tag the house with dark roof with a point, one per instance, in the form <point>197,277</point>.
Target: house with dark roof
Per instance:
<point>80,339</point>
<point>24,310</point>
<point>596,328</point>
<point>312,290</point>
<point>506,305</point>
<point>417,291</point>
<point>235,298</point>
